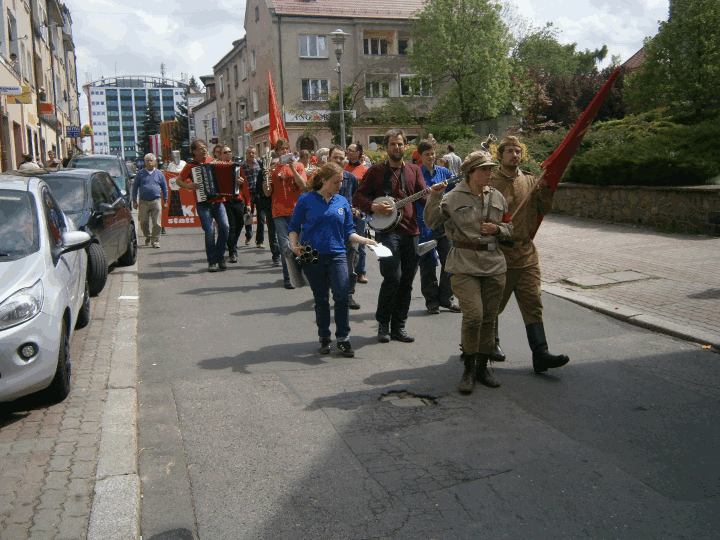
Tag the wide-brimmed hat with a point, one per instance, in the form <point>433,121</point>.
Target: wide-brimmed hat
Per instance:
<point>475,160</point>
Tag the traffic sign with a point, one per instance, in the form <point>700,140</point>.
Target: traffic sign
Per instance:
<point>72,131</point>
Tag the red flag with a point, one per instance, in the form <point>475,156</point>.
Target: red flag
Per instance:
<point>277,128</point>
<point>556,164</point>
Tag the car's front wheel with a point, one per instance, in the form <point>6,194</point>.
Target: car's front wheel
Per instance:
<point>83,318</point>
<point>130,255</point>
<point>97,269</point>
<point>60,386</point>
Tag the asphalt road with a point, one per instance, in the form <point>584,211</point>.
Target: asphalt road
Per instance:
<point>246,433</point>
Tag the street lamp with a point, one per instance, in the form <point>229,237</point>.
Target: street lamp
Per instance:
<point>205,122</point>
<point>338,38</point>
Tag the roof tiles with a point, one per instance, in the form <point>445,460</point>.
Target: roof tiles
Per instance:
<point>372,9</point>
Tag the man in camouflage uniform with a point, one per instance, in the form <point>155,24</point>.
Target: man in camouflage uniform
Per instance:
<point>523,266</point>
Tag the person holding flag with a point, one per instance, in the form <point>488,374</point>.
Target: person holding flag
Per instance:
<point>527,199</point>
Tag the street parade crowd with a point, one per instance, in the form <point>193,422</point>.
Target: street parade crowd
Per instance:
<point>473,218</point>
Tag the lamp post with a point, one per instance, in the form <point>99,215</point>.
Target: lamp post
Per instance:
<point>205,125</point>
<point>338,38</point>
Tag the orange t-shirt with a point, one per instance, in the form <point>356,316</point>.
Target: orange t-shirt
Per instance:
<point>357,170</point>
<point>285,190</point>
<point>186,175</point>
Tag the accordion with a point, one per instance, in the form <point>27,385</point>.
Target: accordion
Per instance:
<point>216,179</point>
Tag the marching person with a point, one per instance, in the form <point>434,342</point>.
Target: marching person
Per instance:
<point>235,207</point>
<point>523,274</point>
<point>349,185</point>
<point>397,179</point>
<point>286,184</point>
<point>252,167</point>
<point>207,210</point>
<point>357,166</point>
<point>437,294</point>
<point>325,220</point>
<point>475,218</point>
<point>151,187</point>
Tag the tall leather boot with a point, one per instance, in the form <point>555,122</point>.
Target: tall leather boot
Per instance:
<point>482,374</point>
<point>467,383</point>
<point>542,359</point>
<point>497,354</point>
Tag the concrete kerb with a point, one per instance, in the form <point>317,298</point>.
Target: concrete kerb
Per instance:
<point>632,316</point>
<point>115,513</point>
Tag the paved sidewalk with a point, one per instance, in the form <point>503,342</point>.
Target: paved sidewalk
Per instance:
<point>678,293</point>
<point>49,453</point>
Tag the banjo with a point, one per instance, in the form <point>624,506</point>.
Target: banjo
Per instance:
<point>387,223</point>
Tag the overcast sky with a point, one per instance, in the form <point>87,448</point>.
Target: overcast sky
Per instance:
<point>116,37</point>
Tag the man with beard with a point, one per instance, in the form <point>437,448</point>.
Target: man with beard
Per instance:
<point>397,179</point>
<point>523,265</point>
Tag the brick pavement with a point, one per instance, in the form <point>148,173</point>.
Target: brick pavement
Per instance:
<point>685,288</point>
<point>49,452</point>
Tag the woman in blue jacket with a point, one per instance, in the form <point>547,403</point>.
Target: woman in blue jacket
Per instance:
<point>325,219</point>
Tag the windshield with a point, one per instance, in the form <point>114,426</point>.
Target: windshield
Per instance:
<point>18,225</point>
<point>69,191</point>
<point>111,166</point>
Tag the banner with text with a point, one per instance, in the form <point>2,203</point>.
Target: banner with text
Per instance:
<point>181,210</point>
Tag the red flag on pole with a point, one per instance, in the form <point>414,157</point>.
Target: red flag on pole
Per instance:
<point>556,164</point>
<point>277,128</point>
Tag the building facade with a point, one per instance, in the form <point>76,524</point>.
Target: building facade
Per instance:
<point>117,107</point>
<point>290,39</point>
<point>204,124</point>
<point>39,104</point>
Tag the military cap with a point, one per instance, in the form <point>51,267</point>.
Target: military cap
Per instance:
<point>475,160</point>
<point>510,140</point>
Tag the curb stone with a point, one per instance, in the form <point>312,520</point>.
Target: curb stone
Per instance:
<point>115,513</point>
<point>637,318</point>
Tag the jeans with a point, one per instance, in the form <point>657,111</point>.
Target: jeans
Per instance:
<point>235,211</point>
<point>435,294</point>
<point>207,212</point>
<point>282,225</point>
<point>264,213</point>
<point>331,269</point>
<point>361,228</point>
<point>398,273</point>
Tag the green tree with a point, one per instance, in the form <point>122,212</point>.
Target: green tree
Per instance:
<point>151,126</point>
<point>474,44</point>
<point>682,62</point>
<point>181,135</point>
<point>349,98</point>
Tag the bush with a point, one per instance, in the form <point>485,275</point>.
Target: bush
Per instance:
<point>449,132</point>
<point>380,156</point>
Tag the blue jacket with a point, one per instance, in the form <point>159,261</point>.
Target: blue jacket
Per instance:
<point>324,225</point>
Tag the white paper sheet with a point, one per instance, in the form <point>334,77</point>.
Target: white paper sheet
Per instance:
<point>381,251</point>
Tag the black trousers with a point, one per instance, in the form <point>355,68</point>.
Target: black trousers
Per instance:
<point>398,273</point>
<point>248,228</point>
<point>436,294</point>
<point>264,214</point>
<point>235,210</point>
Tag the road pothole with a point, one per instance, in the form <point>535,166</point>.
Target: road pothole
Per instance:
<point>402,398</point>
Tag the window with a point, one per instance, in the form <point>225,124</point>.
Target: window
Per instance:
<point>376,46</point>
<point>240,110</point>
<point>243,69</point>
<point>222,118</point>
<point>221,88</point>
<point>410,85</point>
<point>252,61</point>
<point>403,46</point>
<point>315,89</point>
<point>255,101</point>
<point>235,72</point>
<point>257,13</point>
<point>377,89</point>
<point>312,46</point>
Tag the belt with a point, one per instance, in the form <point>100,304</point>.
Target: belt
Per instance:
<point>475,246</point>
<point>515,244</point>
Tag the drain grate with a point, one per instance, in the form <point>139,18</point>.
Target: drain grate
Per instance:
<point>403,398</point>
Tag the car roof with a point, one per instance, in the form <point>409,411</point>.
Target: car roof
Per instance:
<point>21,180</point>
<point>72,172</point>
<point>97,156</point>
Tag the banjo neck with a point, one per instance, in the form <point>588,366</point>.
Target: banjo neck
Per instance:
<point>420,194</point>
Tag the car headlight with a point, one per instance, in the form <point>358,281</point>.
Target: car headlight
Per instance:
<point>21,306</point>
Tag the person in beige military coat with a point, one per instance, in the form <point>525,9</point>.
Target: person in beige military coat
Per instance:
<point>476,219</point>
<point>523,276</point>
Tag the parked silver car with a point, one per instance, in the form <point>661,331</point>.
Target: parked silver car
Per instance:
<point>43,289</point>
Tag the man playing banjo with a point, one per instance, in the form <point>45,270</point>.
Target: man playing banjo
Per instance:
<point>396,180</point>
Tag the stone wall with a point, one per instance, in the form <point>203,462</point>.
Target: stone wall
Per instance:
<point>689,209</point>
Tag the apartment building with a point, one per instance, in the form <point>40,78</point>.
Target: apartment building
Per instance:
<point>39,105</point>
<point>290,39</point>
<point>203,115</point>
<point>117,107</point>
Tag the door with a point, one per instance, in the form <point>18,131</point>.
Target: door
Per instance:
<point>103,223</point>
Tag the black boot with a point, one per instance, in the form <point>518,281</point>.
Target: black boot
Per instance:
<point>467,383</point>
<point>384,332</point>
<point>482,374</point>
<point>497,354</point>
<point>542,359</point>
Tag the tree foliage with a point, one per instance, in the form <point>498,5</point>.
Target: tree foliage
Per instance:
<point>181,136</point>
<point>682,62</point>
<point>349,98</point>
<point>474,43</point>
<point>150,126</point>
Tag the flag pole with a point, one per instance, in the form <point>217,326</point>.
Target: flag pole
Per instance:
<point>527,197</point>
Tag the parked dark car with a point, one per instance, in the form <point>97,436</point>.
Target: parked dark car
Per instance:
<point>113,165</point>
<point>96,205</point>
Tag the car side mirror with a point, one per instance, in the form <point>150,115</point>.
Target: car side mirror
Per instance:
<point>132,176</point>
<point>74,240</point>
<point>105,208</point>
<point>118,203</point>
